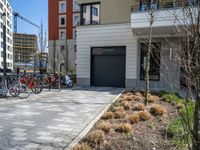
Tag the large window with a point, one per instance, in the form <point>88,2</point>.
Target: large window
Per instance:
<point>90,14</point>
<point>154,72</point>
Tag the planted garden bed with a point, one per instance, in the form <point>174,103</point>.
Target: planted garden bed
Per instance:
<point>130,125</point>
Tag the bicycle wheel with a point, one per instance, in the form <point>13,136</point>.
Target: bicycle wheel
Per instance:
<point>38,87</point>
<point>23,90</point>
<point>13,90</point>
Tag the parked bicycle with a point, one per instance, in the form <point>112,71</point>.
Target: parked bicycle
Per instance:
<point>24,85</point>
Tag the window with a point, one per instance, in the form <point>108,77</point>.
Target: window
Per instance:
<point>74,33</point>
<point>62,21</point>
<point>62,34</point>
<point>146,4</point>
<point>90,14</point>
<point>154,72</point>
<point>76,6</point>
<point>62,7</point>
<point>76,20</point>
<point>94,11</point>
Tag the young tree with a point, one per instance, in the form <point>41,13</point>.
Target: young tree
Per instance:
<point>187,31</point>
<point>42,43</point>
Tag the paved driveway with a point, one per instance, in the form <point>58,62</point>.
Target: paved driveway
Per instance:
<point>52,120</point>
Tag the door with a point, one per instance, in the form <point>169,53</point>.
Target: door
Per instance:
<point>108,66</point>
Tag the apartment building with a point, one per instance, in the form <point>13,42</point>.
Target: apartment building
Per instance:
<point>25,48</point>
<point>64,16</point>
<point>5,7</point>
<point>112,44</point>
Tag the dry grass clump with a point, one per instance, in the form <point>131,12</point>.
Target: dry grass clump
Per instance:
<point>82,146</point>
<point>107,115</point>
<point>95,137</point>
<point>125,127</point>
<point>127,105</point>
<point>105,126</point>
<point>152,98</point>
<point>120,114</point>
<point>144,116</point>
<point>128,98</point>
<point>157,110</point>
<point>119,108</point>
<point>139,106</point>
<point>134,118</point>
<point>137,98</point>
<point>129,93</point>
<point>138,94</point>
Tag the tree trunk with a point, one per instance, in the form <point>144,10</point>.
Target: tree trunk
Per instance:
<point>148,60</point>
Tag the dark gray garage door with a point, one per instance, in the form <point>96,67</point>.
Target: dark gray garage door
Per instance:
<point>108,66</point>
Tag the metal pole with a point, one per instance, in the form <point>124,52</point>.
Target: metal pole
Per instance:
<point>59,55</point>
<point>4,51</point>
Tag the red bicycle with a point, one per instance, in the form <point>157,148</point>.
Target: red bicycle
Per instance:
<point>32,83</point>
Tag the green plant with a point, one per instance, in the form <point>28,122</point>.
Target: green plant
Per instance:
<point>176,132</point>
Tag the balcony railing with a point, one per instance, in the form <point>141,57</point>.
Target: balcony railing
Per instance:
<point>166,5</point>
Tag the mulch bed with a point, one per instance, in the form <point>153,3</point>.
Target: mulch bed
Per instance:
<point>146,135</point>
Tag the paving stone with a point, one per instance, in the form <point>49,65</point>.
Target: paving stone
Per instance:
<point>19,138</point>
<point>32,145</point>
<point>46,138</point>
<point>19,134</point>
<point>52,119</point>
<point>18,129</point>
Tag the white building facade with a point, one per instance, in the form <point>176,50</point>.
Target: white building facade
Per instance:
<point>5,7</point>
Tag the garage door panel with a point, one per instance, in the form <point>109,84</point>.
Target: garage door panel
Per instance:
<point>108,69</point>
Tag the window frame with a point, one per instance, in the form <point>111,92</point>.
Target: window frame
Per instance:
<point>91,18</point>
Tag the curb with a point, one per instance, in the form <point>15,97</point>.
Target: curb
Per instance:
<point>91,124</point>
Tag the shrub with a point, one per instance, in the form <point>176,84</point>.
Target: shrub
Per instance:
<point>152,98</point>
<point>119,108</point>
<point>107,115</point>
<point>139,106</point>
<point>127,105</point>
<point>82,146</point>
<point>124,127</point>
<point>120,114</point>
<point>105,126</point>
<point>143,115</point>
<point>128,98</point>
<point>175,131</point>
<point>134,118</point>
<point>157,110</point>
<point>137,98</point>
<point>95,137</point>
<point>138,94</point>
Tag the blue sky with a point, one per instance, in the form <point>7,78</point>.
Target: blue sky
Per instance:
<point>34,10</point>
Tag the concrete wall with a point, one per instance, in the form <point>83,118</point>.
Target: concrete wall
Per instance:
<point>113,11</point>
<point>102,36</point>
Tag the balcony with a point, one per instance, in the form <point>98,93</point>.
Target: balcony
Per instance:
<point>166,17</point>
